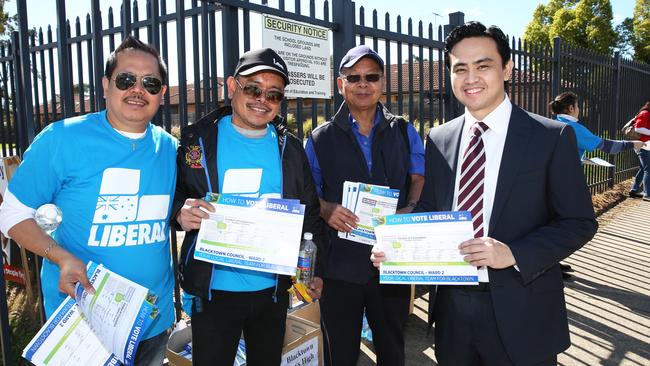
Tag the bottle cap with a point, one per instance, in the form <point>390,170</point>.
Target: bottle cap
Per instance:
<point>308,236</point>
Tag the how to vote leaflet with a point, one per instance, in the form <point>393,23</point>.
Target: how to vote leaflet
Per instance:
<point>261,234</point>
<point>104,328</point>
<point>422,248</point>
<point>369,203</point>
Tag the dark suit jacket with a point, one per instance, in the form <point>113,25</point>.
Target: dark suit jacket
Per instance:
<point>542,211</point>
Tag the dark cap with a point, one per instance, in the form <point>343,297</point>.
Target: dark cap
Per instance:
<point>357,53</point>
<point>261,60</point>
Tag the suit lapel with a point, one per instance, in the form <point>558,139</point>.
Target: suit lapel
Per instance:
<point>516,146</point>
<point>451,153</point>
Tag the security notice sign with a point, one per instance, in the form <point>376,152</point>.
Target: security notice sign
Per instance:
<point>306,50</point>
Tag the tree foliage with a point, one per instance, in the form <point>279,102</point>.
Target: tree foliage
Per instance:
<point>625,32</point>
<point>641,31</point>
<point>7,23</point>
<point>584,23</point>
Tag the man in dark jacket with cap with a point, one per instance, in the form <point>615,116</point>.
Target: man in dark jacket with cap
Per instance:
<point>243,149</point>
<point>364,143</point>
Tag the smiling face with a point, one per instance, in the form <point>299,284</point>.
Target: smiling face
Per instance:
<point>478,75</point>
<point>253,113</point>
<point>131,110</point>
<point>363,94</point>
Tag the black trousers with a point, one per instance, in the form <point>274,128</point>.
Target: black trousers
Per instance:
<point>218,324</point>
<point>342,306</point>
<point>466,329</point>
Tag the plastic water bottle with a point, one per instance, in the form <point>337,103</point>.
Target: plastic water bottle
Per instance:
<point>366,332</point>
<point>48,217</point>
<point>306,260</point>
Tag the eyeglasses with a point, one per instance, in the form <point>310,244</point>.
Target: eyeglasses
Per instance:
<point>254,91</point>
<point>369,78</point>
<point>126,80</point>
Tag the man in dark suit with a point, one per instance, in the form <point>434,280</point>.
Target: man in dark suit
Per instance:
<point>519,175</point>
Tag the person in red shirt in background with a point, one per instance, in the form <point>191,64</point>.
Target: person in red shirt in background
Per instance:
<point>642,126</point>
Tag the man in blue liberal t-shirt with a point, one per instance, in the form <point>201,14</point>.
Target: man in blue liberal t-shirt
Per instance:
<point>363,142</point>
<point>243,150</point>
<point>112,174</point>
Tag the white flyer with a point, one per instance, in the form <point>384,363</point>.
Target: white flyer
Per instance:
<point>104,328</point>
<point>422,248</point>
<point>368,202</point>
<point>261,234</point>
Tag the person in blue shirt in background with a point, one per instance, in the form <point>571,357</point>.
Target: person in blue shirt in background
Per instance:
<point>565,107</point>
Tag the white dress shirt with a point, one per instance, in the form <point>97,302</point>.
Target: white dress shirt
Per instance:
<point>494,139</point>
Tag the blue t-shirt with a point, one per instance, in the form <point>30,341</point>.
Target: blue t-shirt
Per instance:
<point>247,167</point>
<point>115,194</point>
<point>416,160</point>
<point>586,140</point>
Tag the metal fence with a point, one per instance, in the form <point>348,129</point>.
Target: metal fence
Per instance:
<point>40,84</point>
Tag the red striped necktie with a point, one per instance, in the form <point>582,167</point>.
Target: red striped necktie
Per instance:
<point>472,176</point>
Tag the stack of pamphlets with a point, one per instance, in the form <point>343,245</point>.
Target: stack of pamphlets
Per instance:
<point>240,357</point>
<point>371,204</point>
<point>103,328</point>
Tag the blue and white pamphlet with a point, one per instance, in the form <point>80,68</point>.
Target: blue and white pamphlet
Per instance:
<point>260,234</point>
<point>368,202</point>
<point>422,248</point>
<point>103,328</point>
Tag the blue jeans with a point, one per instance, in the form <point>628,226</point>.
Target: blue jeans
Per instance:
<point>643,175</point>
<point>151,352</point>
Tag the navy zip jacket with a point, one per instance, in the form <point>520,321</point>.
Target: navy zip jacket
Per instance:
<point>340,158</point>
<point>198,146</point>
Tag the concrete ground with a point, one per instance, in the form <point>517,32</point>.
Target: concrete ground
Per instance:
<point>608,298</point>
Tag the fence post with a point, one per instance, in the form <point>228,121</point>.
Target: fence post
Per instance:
<point>5,332</point>
<point>230,34</point>
<point>98,54</point>
<point>25,79</point>
<point>126,18</point>
<point>65,79</point>
<point>182,74</point>
<point>18,87</point>
<point>557,68</point>
<point>343,15</point>
<point>613,127</point>
<point>452,107</point>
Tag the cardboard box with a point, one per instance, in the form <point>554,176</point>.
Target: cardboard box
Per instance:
<point>303,340</point>
<point>177,340</point>
<point>308,312</point>
<point>303,343</point>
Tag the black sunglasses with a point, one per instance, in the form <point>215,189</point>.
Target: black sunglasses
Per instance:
<point>126,80</point>
<point>369,78</point>
<point>254,91</point>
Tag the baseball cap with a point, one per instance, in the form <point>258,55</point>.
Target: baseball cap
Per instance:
<point>260,60</point>
<point>357,53</point>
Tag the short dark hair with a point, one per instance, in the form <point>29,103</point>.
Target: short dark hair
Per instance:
<point>477,29</point>
<point>132,43</point>
<point>562,102</point>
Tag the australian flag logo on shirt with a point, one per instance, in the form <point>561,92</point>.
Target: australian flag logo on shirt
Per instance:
<point>122,216</point>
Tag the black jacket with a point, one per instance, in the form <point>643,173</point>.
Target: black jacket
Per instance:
<point>200,139</point>
<point>340,158</point>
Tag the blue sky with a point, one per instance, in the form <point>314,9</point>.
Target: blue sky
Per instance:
<point>511,15</point>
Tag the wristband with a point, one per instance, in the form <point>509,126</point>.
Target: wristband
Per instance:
<point>412,204</point>
<point>49,249</point>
